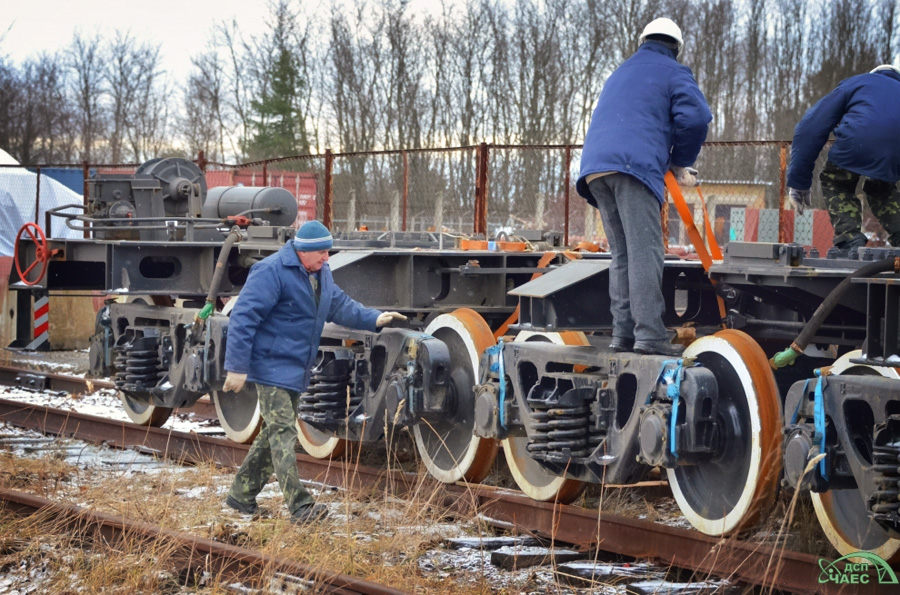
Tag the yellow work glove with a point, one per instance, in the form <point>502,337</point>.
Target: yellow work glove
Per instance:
<point>234,382</point>
<point>386,318</point>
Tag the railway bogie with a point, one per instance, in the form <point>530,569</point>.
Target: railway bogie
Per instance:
<point>509,350</point>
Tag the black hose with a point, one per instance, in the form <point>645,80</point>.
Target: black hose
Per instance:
<point>221,263</point>
<point>812,326</point>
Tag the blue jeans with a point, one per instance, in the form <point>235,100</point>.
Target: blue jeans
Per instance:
<point>630,214</point>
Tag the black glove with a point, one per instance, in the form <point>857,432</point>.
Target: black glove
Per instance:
<point>801,199</point>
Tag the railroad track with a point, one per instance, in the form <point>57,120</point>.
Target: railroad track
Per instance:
<point>739,561</point>
<point>189,551</point>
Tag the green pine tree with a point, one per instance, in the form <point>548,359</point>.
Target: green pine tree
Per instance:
<point>280,125</point>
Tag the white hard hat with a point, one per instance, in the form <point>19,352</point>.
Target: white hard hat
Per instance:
<point>885,67</point>
<point>663,26</point>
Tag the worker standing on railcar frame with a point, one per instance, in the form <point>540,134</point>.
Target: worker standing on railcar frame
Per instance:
<point>650,118</point>
<point>273,339</point>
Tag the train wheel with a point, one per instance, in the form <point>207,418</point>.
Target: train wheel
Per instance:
<point>449,448</point>
<point>238,413</point>
<point>735,488</point>
<point>318,444</point>
<point>144,414</point>
<point>842,513</point>
<point>536,482</point>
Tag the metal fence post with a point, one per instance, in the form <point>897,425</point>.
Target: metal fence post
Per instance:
<point>782,214</point>
<point>86,173</point>
<point>327,207</point>
<point>37,196</point>
<point>566,183</point>
<point>405,188</point>
<point>480,224</point>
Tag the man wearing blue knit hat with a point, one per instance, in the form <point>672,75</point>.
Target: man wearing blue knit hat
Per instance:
<point>273,339</point>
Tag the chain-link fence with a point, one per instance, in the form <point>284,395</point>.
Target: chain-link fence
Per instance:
<point>483,190</point>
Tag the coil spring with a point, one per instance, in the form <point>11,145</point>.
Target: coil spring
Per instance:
<point>325,398</point>
<point>138,367</point>
<point>562,433</point>
<point>884,502</point>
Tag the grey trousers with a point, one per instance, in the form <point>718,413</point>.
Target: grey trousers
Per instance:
<point>630,214</point>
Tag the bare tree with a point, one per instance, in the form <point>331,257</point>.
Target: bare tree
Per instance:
<point>204,122</point>
<point>356,69</point>
<point>134,84</point>
<point>404,103</point>
<point>87,64</point>
<point>50,109</point>
<point>886,18</point>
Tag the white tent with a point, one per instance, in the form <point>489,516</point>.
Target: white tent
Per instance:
<point>18,189</point>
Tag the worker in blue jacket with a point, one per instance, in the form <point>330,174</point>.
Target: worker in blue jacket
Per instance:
<point>862,112</point>
<point>273,339</point>
<point>650,118</point>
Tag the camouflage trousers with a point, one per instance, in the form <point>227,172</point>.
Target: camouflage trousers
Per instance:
<point>845,209</point>
<point>273,451</point>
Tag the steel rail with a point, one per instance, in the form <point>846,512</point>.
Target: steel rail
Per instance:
<point>732,558</point>
<point>37,380</point>
<point>191,551</point>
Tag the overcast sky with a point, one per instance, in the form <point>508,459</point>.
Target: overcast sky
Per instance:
<point>181,27</point>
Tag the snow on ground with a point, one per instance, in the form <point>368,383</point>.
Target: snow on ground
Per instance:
<point>100,403</point>
<point>469,565</point>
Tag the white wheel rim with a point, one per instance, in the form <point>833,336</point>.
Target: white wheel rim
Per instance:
<point>459,470</point>
<point>548,491</point>
<point>727,524</point>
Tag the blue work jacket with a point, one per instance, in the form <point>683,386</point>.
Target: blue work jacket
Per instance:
<point>863,113</point>
<point>650,114</point>
<point>275,327</point>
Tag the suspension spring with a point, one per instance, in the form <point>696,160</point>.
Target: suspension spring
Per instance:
<point>328,396</point>
<point>884,502</point>
<point>561,433</point>
<point>138,367</point>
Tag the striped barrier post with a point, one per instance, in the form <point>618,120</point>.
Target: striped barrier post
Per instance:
<point>41,340</point>
<point>32,332</point>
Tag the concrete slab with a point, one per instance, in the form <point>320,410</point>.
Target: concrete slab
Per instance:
<point>516,558</point>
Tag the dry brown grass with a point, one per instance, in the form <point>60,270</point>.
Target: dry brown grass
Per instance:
<point>370,535</point>
<point>367,535</point>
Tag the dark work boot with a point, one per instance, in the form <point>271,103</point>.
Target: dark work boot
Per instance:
<point>856,246</point>
<point>240,506</point>
<point>658,348</point>
<point>848,249</point>
<point>620,344</point>
<point>309,514</point>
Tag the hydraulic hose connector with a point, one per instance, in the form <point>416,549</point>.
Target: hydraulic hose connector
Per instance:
<point>786,357</point>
